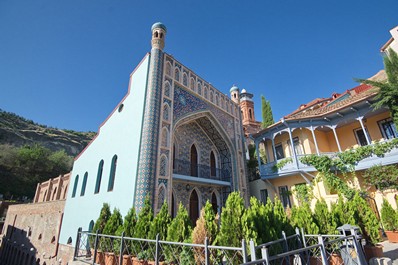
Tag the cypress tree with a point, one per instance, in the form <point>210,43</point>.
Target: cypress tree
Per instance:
<point>266,110</point>
<point>180,227</point>
<point>114,225</point>
<point>130,221</point>
<point>145,218</point>
<point>323,218</point>
<point>302,217</point>
<point>231,230</point>
<point>160,223</point>
<point>103,218</point>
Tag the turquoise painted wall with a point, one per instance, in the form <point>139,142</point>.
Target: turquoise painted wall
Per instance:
<point>120,134</point>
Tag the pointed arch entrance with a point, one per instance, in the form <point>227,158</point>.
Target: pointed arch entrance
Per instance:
<point>194,207</point>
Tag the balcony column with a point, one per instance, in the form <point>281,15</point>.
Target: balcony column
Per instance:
<point>337,138</point>
<point>360,119</point>
<point>273,148</point>
<point>292,146</point>
<point>258,155</point>
<point>315,142</point>
<point>266,150</point>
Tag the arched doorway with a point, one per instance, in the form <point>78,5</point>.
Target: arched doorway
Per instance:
<point>212,164</point>
<point>194,161</point>
<point>194,207</point>
<point>214,203</point>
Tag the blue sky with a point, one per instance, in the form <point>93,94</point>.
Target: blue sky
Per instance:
<point>66,64</point>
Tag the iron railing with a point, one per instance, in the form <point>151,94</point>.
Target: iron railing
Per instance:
<point>96,248</point>
<point>183,167</point>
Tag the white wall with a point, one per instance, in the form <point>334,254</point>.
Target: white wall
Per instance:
<point>120,134</point>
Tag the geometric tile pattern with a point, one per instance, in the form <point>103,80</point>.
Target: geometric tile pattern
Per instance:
<point>150,132</point>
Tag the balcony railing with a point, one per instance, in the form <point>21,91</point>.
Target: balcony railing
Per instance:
<point>186,168</point>
<point>270,169</point>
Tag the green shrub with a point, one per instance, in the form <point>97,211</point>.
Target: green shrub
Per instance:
<point>160,223</point>
<point>144,221</point>
<point>389,216</point>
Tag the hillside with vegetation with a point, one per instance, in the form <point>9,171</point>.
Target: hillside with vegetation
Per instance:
<point>31,153</point>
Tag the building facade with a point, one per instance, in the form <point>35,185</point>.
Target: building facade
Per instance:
<point>324,126</point>
<point>392,43</point>
<point>173,137</point>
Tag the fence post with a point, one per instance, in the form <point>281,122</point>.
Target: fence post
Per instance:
<point>244,251</point>
<point>121,249</point>
<point>265,255</point>
<point>77,243</point>
<point>157,249</point>
<point>358,249</point>
<point>300,244</point>
<point>252,250</point>
<point>95,246</point>
<point>302,234</point>
<point>323,251</point>
<point>285,245</point>
<point>207,260</point>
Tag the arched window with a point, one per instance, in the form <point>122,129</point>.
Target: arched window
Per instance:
<point>185,79</point>
<point>99,176</point>
<point>54,194</point>
<point>174,155</point>
<point>168,69</point>
<point>205,92</point>
<point>173,206</point>
<point>75,186</point>
<point>165,137</point>
<point>192,84</point>
<point>65,192</point>
<point>163,166</point>
<point>91,226</point>
<point>45,196</point>
<point>161,196</point>
<point>166,112</point>
<point>177,74</point>
<point>84,184</point>
<point>156,34</point>
<point>217,103</point>
<point>194,161</point>
<point>211,96</point>
<point>167,89</point>
<point>199,89</point>
<point>250,113</point>
<point>194,207</point>
<point>212,164</point>
<point>214,203</point>
<point>113,173</point>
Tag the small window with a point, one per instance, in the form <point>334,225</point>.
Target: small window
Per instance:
<point>84,184</point>
<point>388,129</point>
<point>284,195</point>
<point>177,74</point>
<point>75,186</point>
<point>99,176</point>
<point>69,242</point>
<point>264,195</point>
<point>212,164</point>
<point>121,106</point>
<point>279,151</point>
<point>296,145</point>
<point>53,240</point>
<point>39,238</point>
<point>112,173</point>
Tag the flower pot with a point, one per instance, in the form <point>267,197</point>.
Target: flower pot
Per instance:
<point>315,260</point>
<point>136,261</point>
<point>127,260</point>
<point>392,236</point>
<point>110,258</point>
<point>335,259</point>
<point>375,251</point>
<point>100,258</point>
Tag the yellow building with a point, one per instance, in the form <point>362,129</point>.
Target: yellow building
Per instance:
<point>324,126</point>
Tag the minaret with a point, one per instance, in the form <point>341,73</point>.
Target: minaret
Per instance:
<point>247,107</point>
<point>146,173</point>
<point>234,94</point>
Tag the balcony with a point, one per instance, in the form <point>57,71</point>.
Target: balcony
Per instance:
<point>200,173</point>
<point>291,167</point>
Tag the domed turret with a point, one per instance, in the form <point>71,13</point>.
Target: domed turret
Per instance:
<point>158,35</point>
<point>234,94</point>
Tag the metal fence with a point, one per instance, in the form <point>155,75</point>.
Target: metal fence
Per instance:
<point>95,248</point>
<point>302,249</point>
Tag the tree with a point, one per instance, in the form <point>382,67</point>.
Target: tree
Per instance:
<point>267,116</point>
<point>114,225</point>
<point>180,227</point>
<point>389,216</point>
<point>103,218</point>
<point>130,221</point>
<point>388,90</point>
<point>145,218</point>
<point>302,217</point>
<point>323,218</point>
<point>231,230</point>
<point>382,177</point>
<point>160,223</point>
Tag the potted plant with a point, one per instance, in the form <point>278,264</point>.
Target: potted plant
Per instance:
<point>100,225</point>
<point>113,226</point>
<point>389,218</point>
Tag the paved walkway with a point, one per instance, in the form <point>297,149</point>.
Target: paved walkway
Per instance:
<point>391,251</point>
